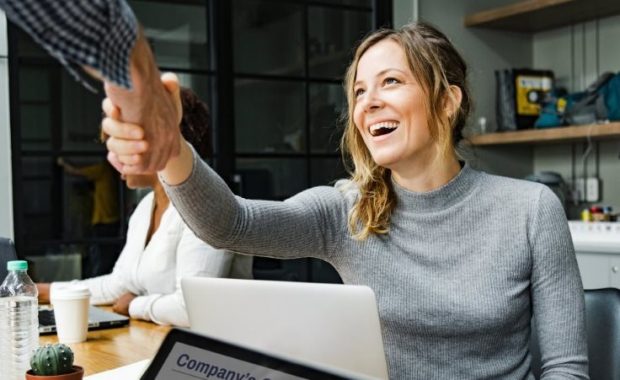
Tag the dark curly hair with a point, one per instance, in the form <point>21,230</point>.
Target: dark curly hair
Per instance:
<point>195,123</point>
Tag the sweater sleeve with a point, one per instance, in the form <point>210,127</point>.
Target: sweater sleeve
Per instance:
<point>306,225</point>
<point>193,258</point>
<point>557,292</point>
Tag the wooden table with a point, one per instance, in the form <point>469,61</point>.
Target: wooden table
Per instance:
<point>111,348</point>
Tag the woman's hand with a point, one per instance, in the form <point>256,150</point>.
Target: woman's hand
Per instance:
<point>121,306</point>
<point>126,142</point>
<point>44,292</point>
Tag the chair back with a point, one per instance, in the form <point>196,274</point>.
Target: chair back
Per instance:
<point>603,326</point>
<point>603,333</point>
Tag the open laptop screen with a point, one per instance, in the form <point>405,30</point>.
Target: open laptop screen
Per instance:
<point>186,355</point>
<point>336,325</point>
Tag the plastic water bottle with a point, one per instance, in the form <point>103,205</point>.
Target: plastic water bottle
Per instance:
<point>19,321</point>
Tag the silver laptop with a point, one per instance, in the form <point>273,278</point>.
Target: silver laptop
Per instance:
<point>328,324</point>
<point>98,319</point>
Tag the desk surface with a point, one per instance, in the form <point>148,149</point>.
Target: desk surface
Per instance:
<point>111,348</point>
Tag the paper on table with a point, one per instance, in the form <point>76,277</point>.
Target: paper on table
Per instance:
<point>129,372</point>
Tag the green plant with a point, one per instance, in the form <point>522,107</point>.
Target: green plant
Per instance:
<point>52,359</point>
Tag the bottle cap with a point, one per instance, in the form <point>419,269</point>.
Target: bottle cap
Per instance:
<point>17,265</point>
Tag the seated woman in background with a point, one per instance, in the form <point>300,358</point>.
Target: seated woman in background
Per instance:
<point>160,248</point>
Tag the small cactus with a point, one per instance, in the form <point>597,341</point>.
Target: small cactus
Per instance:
<point>52,359</point>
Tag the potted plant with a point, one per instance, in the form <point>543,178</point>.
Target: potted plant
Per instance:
<point>54,362</point>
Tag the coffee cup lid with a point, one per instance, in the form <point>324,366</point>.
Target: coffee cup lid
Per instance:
<point>69,292</point>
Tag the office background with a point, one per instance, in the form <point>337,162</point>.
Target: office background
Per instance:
<point>271,72</point>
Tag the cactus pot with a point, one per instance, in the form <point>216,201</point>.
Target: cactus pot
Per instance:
<point>76,374</point>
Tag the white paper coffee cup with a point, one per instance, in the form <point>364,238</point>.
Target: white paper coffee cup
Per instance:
<point>70,305</point>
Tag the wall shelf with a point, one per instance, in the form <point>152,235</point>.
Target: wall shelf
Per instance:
<point>537,15</point>
<point>549,135</point>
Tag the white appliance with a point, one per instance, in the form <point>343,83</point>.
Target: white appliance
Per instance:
<point>597,245</point>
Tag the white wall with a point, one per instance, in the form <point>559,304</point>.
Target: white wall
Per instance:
<point>6,195</point>
<point>404,12</point>
<point>578,54</point>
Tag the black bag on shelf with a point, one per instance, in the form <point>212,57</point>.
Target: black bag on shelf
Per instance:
<point>504,102</point>
<point>520,93</point>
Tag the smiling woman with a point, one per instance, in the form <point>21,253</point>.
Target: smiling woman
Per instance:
<point>460,260</point>
<point>408,103</point>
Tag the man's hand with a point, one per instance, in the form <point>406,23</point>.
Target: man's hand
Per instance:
<point>121,306</point>
<point>149,105</point>
<point>126,142</point>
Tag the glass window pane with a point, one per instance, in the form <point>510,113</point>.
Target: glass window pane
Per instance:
<point>35,126</point>
<point>269,116</point>
<point>359,3</point>
<point>325,171</point>
<point>268,38</point>
<point>81,116</point>
<point>34,83</point>
<point>271,178</point>
<point>26,47</point>
<point>201,84</point>
<point>37,202</point>
<point>37,167</point>
<point>37,227</point>
<point>327,104</point>
<point>90,196</point>
<point>333,34</point>
<point>53,261</point>
<point>36,197</point>
<point>177,33</point>
<point>36,113</point>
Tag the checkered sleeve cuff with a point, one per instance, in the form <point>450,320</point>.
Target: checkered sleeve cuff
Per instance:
<point>117,44</point>
<point>96,33</point>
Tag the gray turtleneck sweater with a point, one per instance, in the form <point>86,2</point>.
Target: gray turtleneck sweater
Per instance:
<point>458,277</point>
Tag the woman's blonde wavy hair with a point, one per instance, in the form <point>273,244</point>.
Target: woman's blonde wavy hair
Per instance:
<point>437,66</point>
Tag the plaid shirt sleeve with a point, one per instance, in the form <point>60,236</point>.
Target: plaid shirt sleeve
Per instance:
<point>95,33</point>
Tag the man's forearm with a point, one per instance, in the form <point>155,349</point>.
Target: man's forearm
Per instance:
<point>146,83</point>
<point>104,36</point>
<point>149,105</point>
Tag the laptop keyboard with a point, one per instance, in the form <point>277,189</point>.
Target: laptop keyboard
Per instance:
<point>46,318</point>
